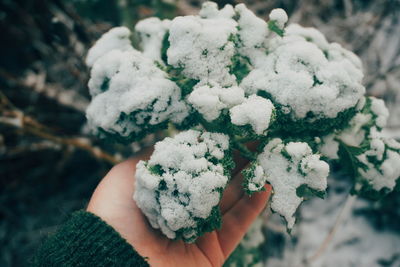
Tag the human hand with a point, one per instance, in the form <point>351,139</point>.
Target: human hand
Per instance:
<point>113,202</point>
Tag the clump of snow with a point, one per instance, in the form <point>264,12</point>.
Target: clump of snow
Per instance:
<point>279,15</point>
<point>252,34</point>
<point>131,95</point>
<point>152,32</point>
<point>180,195</point>
<point>255,111</point>
<point>287,167</point>
<point>210,10</point>
<point>117,38</point>
<point>209,100</point>
<point>202,47</point>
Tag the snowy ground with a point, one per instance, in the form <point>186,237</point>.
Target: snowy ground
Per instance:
<point>355,242</point>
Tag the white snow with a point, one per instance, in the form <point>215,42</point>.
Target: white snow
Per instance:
<point>252,33</point>
<point>210,99</point>
<point>210,10</point>
<point>329,147</point>
<point>255,111</point>
<point>202,48</point>
<point>115,39</point>
<point>152,32</point>
<point>355,133</point>
<point>355,243</point>
<point>279,15</point>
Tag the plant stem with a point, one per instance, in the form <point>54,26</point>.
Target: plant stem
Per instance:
<point>12,116</point>
<point>344,212</point>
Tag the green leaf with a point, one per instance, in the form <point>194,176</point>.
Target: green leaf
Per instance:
<point>274,27</point>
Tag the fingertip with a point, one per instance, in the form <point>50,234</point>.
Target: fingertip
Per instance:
<point>268,189</point>
<point>258,200</point>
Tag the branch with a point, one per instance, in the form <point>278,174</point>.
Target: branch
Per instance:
<point>339,219</point>
<point>12,116</point>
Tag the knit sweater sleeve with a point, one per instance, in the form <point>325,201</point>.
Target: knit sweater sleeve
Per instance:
<point>86,240</point>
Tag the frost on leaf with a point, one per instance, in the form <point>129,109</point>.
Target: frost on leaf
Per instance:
<point>180,187</point>
<point>379,165</point>
<point>131,96</point>
<point>288,168</point>
<point>372,115</point>
<point>361,147</point>
<point>309,80</point>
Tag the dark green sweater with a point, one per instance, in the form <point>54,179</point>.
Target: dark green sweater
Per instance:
<point>86,240</point>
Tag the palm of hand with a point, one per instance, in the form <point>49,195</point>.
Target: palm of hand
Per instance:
<point>112,201</point>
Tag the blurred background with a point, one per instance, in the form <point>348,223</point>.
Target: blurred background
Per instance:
<point>50,163</point>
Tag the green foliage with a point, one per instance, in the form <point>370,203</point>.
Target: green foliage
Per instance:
<point>124,119</point>
<point>104,86</point>
<point>240,67</point>
<point>164,48</point>
<point>274,27</point>
<point>157,170</point>
<point>186,84</point>
<point>307,192</point>
<point>311,125</point>
<point>248,175</point>
<point>384,213</point>
<point>228,164</point>
<point>351,164</point>
<point>117,138</point>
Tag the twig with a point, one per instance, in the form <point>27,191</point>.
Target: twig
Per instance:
<point>339,219</point>
<point>16,118</point>
<point>36,83</point>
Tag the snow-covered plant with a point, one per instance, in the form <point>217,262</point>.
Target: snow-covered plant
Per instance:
<point>180,187</point>
<point>226,77</point>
